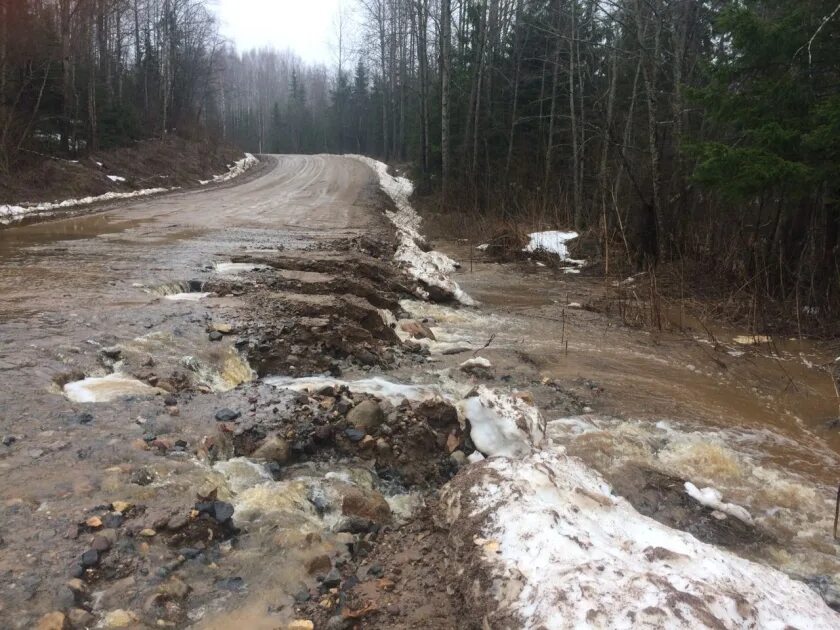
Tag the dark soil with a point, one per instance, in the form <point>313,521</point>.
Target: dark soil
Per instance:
<point>173,162</point>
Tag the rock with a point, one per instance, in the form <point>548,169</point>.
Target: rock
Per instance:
<point>354,435</point>
<point>113,520</point>
<point>452,442</point>
<point>221,511</point>
<point>65,598</point>
<point>119,618</point>
<point>170,400</point>
<point>174,589</point>
<point>376,570</point>
<point>215,336</point>
<point>219,327</point>
<point>80,618</point>
<point>227,415</point>
<point>142,476</point>
<point>147,532</point>
<point>83,418</point>
<point>332,579</point>
<point>302,596</point>
<point>319,564</point>
<point>234,583</point>
<point>120,506</point>
<point>94,522</point>
<point>52,621</point>
<point>189,552</point>
<point>101,543</point>
<point>416,329</point>
<point>8,440</point>
<point>76,585</point>
<point>371,506</point>
<point>90,558</point>
<point>458,458</point>
<point>368,442</point>
<point>337,622</point>
<point>343,405</point>
<point>366,415</point>
<point>179,521</point>
<point>438,413</point>
<point>273,449</point>
<point>113,353</point>
<point>301,624</point>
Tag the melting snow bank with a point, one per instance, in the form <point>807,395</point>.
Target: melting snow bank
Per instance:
<point>714,499</point>
<point>550,545</point>
<point>430,268</point>
<point>239,167</point>
<point>12,214</point>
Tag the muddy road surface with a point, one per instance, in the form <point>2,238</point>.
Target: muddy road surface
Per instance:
<point>268,405</point>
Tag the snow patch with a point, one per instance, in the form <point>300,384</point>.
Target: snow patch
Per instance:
<point>559,550</point>
<point>12,214</point>
<point>430,268</point>
<point>239,167</point>
<point>115,178</point>
<point>234,268</point>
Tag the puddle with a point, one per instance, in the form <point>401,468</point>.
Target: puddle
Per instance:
<point>94,389</point>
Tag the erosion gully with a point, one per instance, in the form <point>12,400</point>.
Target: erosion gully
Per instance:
<point>219,409</point>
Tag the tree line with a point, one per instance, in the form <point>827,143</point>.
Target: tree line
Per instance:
<point>706,130</point>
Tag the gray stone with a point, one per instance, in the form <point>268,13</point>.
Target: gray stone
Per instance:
<point>366,415</point>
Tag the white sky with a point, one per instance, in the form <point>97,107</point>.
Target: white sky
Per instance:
<point>305,26</point>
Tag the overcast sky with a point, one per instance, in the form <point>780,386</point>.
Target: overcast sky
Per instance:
<point>305,26</point>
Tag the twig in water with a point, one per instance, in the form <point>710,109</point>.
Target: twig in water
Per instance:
<point>489,341</point>
<point>836,512</point>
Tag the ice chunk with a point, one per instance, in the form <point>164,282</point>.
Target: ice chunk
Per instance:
<point>502,424</point>
<point>712,498</point>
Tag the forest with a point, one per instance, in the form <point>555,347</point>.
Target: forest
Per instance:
<point>698,132</point>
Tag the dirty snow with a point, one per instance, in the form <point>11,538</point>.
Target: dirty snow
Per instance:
<point>95,389</point>
<point>751,340</point>
<point>712,498</point>
<point>477,362</point>
<point>234,268</point>
<point>552,241</point>
<point>375,386</point>
<point>238,167</point>
<point>12,214</point>
<point>563,552</point>
<point>502,424</point>
<point>430,268</point>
